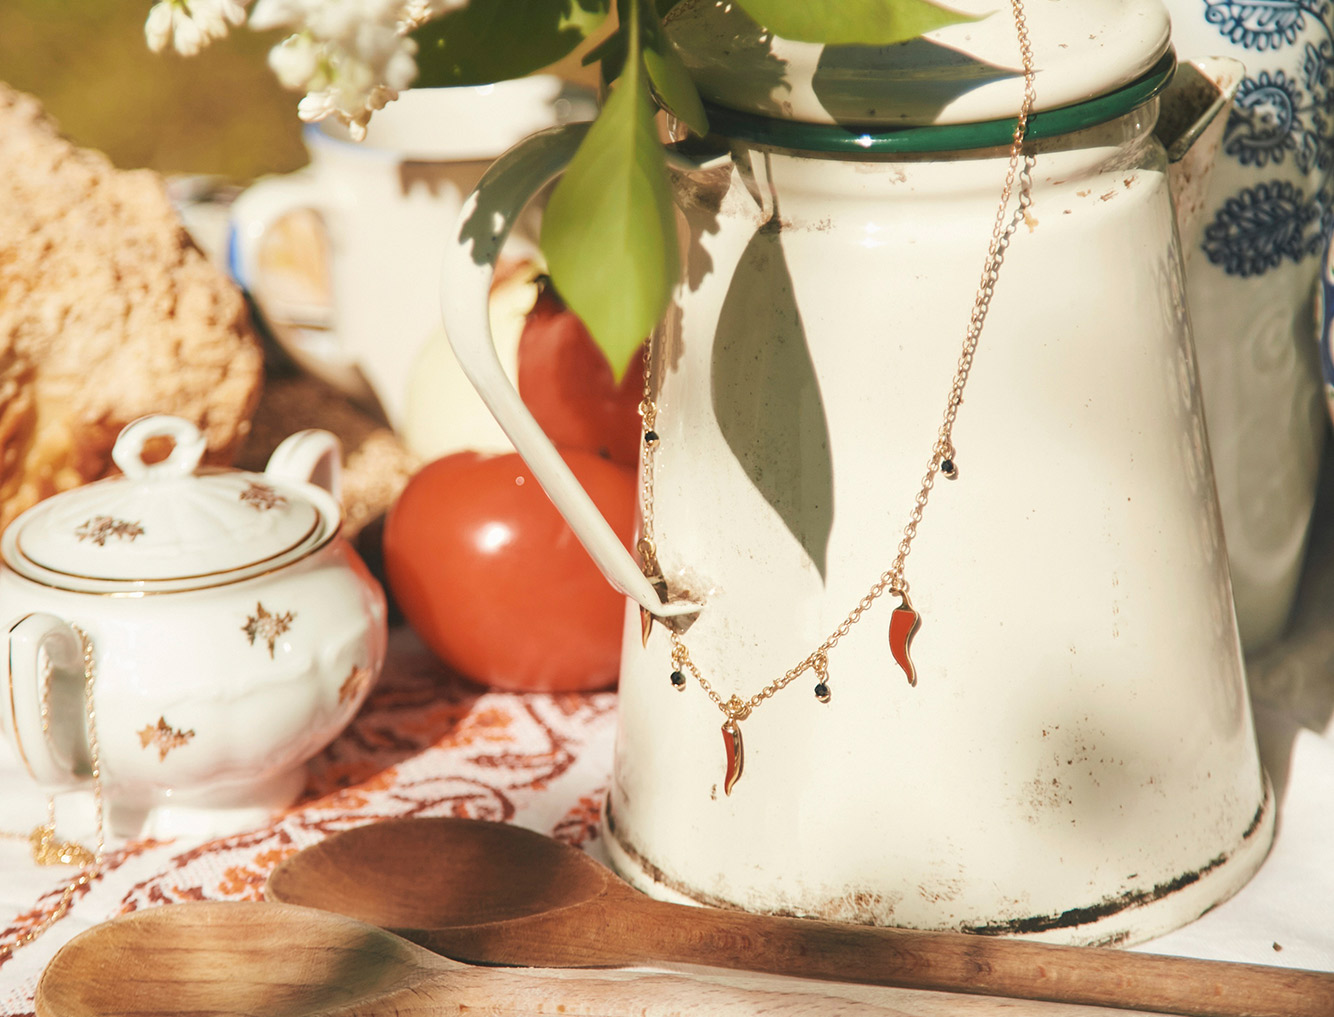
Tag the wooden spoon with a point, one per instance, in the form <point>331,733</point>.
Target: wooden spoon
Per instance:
<point>493,893</point>
<point>217,959</point>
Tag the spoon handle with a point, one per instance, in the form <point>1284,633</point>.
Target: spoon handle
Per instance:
<point>641,931</point>
<point>576,993</point>
<point>986,965</point>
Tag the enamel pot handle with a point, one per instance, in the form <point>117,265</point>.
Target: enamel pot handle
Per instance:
<point>487,216</point>
<point>32,639</point>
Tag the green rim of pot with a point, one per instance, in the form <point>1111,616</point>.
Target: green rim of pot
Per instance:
<point>793,134</point>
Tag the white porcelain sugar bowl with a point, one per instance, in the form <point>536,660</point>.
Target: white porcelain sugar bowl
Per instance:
<point>212,624</point>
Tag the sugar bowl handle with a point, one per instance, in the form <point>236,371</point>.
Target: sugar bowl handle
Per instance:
<point>43,692</point>
<point>309,457</point>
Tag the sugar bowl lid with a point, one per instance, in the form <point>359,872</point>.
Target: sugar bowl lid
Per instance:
<point>170,525</point>
<point>965,73</point>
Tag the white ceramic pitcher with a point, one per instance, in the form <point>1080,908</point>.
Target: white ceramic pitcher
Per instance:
<point>358,316</point>
<point>1077,759</point>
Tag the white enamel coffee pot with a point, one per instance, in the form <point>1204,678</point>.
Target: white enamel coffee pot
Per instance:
<point>231,632</point>
<point>1077,759</point>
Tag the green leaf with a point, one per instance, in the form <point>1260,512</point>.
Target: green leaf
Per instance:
<point>495,40</point>
<point>609,230</point>
<point>672,84</point>
<point>852,22</point>
<point>610,52</point>
<point>609,55</point>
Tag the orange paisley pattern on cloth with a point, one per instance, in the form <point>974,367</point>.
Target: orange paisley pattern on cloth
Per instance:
<point>424,744</point>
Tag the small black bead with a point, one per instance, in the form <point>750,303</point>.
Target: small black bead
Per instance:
<point>947,468</point>
<point>678,679</point>
<point>650,437</point>
<point>822,692</point>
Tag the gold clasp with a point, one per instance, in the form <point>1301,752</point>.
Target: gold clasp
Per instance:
<point>736,708</point>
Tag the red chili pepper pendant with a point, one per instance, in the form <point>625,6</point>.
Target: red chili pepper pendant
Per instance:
<point>903,625</point>
<point>735,754</point>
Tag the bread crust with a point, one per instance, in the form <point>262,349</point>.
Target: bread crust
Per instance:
<point>108,311</point>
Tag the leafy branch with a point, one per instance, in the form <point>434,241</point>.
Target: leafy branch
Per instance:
<point>609,229</point>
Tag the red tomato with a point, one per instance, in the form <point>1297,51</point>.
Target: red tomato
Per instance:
<point>568,387</point>
<point>494,581</point>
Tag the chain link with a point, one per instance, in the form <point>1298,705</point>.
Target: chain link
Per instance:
<point>1020,169</point>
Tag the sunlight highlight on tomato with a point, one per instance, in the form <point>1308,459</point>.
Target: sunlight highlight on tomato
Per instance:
<point>494,581</point>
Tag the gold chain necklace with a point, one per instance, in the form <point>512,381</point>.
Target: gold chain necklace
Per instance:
<point>904,620</point>
<point>46,849</point>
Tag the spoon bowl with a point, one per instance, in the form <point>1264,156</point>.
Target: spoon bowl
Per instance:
<point>212,958</point>
<point>440,873</point>
<point>492,893</point>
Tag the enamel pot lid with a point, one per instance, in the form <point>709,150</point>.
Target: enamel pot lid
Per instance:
<point>169,525</point>
<point>966,73</point>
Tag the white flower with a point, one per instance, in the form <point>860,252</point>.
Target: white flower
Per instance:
<point>157,29</point>
<point>350,57</point>
<point>276,13</point>
<point>418,12</point>
<point>295,61</point>
<point>351,83</point>
<point>326,19</point>
<point>213,16</point>
<point>189,25</point>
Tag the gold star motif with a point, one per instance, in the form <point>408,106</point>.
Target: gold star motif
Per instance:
<point>164,736</point>
<point>353,684</point>
<point>101,528</point>
<point>266,626</point>
<point>261,497</point>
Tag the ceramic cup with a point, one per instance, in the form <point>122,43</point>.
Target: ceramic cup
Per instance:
<point>1252,265</point>
<point>343,256</point>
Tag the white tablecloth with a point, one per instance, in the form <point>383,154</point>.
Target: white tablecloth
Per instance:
<point>427,744</point>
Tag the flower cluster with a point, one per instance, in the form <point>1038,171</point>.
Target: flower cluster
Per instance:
<point>190,25</point>
<point>350,57</point>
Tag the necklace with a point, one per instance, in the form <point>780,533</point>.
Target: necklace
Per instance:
<point>904,620</point>
<point>46,849</point>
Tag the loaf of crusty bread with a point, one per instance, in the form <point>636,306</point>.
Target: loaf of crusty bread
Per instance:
<point>108,311</point>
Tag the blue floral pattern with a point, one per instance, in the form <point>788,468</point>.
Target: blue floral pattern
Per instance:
<point>1261,24</point>
<point>1259,227</point>
<point>1265,120</point>
<point>1276,117</point>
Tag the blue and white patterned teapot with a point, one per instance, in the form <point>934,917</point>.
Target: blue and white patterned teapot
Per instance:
<point>1252,263</point>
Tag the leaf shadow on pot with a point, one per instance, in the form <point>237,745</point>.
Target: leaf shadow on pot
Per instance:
<point>923,77</point>
<point>766,396</point>
<point>702,29</point>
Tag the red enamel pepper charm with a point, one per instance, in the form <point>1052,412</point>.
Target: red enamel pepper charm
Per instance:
<point>903,625</point>
<point>735,755</point>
